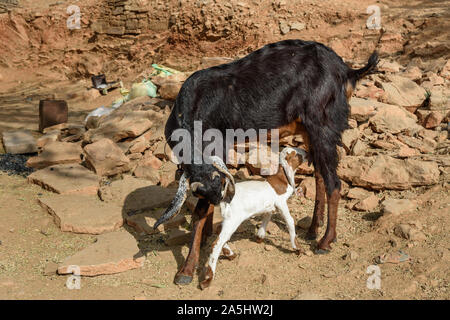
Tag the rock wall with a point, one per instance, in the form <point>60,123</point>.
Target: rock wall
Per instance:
<point>5,5</point>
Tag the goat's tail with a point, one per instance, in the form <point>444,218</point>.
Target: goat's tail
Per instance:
<point>356,74</point>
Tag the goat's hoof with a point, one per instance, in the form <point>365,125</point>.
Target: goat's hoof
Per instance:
<point>322,251</point>
<point>183,279</point>
<point>205,283</point>
<point>299,252</point>
<point>231,257</point>
<point>259,240</point>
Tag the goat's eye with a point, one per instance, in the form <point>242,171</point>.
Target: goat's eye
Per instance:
<point>214,175</point>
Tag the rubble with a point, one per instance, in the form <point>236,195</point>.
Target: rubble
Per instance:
<point>66,179</point>
<point>106,158</point>
<point>82,214</point>
<point>385,172</point>
<point>56,153</point>
<point>19,142</point>
<point>105,256</point>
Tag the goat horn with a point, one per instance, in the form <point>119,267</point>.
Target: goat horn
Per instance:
<point>303,153</point>
<point>176,203</point>
<point>220,165</point>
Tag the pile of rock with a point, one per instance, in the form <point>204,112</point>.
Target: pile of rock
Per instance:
<point>123,17</point>
<point>6,5</point>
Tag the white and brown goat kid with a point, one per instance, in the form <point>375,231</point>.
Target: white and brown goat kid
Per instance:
<point>252,198</point>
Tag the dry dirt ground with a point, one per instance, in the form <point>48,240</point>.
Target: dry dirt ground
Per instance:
<point>29,240</point>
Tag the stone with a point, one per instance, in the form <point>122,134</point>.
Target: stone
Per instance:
<point>284,27</point>
<point>56,153</point>
<point>66,179</point>
<point>393,119</point>
<point>82,214</point>
<point>425,145</point>
<point>413,73</point>
<point>178,237</point>
<point>106,158</point>
<point>398,206</point>
<point>169,90</point>
<point>361,109</point>
<point>445,71</point>
<point>308,186</point>
<point>112,253</point>
<point>146,172</point>
<point>388,66</point>
<point>124,124</point>
<point>403,92</point>
<point>359,148</point>
<point>19,142</point>
<point>367,204</point>
<point>141,143</point>
<point>384,172</point>
<point>409,232</point>
<point>349,136</point>
<point>405,152</point>
<point>47,138</point>
<point>433,120</point>
<point>168,173</point>
<point>144,222</point>
<point>358,193</point>
<point>298,26</point>
<point>50,269</point>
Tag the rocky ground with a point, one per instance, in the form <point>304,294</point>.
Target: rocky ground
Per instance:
<point>87,194</point>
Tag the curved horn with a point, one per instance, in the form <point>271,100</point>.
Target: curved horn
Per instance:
<point>303,153</point>
<point>220,165</point>
<point>176,203</point>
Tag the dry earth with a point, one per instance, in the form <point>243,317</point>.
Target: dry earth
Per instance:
<point>42,59</point>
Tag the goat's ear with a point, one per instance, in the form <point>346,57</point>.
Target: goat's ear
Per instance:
<point>229,191</point>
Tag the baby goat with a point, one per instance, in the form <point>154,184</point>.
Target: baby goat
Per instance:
<point>253,198</point>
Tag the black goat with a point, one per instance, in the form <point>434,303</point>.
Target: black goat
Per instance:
<point>299,87</point>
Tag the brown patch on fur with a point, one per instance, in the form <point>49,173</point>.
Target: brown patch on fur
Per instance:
<point>293,160</point>
<point>278,181</point>
<point>228,254</point>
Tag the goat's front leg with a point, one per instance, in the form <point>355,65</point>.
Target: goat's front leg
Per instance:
<point>228,228</point>
<point>319,208</point>
<point>207,229</point>
<point>291,227</point>
<point>330,234</point>
<point>202,211</point>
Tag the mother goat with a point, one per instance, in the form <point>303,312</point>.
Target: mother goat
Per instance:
<point>296,86</point>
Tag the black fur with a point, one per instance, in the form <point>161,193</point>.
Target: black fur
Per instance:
<point>267,89</point>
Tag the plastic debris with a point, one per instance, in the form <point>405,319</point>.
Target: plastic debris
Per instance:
<point>163,70</point>
<point>101,111</point>
<point>145,88</point>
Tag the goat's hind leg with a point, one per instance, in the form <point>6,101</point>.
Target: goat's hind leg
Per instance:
<point>261,234</point>
<point>319,208</point>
